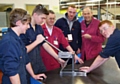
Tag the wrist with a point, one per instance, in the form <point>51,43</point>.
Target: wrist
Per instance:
<point>34,76</point>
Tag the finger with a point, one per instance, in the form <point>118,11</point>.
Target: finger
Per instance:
<point>84,67</point>
<point>81,62</point>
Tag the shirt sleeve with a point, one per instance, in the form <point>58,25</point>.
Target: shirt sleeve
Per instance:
<point>27,57</point>
<point>63,40</point>
<point>10,58</point>
<point>111,48</point>
<point>42,32</point>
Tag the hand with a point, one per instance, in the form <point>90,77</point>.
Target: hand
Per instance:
<point>40,38</point>
<point>39,76</point>
<point>78,51</point>
<point>87,36</point>
<point>61,61</point>
<point>85,69</point>
<point>78,59</point>
<point>68,40</point>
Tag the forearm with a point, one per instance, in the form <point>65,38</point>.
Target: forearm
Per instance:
<point>30,70</point>
<point>31,46</point>
<point>50,50</point>
<point>98,62</point>
<point>15,79</point>
<point>69,49</point>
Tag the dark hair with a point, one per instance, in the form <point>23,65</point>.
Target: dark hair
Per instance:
<point>18,14</point>
<point>40,9</point>
<point>50,11</point>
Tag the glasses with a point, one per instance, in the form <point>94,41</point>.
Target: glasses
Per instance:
<point>103,29</point>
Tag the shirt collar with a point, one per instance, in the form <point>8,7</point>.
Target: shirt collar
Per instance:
<point>13,33</point>
<point>66,17</point>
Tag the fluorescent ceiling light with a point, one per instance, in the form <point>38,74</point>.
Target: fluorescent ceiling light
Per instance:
<point>94,0</point>
<point>69,3</point>
<point>90,4</point>
<point>113,3</point>
<point>64,6</point>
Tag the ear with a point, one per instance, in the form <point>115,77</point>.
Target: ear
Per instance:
<point>35,14</point>
<point>18,22</point>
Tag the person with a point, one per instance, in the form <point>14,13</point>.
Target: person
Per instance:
<point>34,38</point>
<point>112,47</point>
<point>91,38</point>
<point>56,37</point>
<point>71,29</point>
<point>14,60</point>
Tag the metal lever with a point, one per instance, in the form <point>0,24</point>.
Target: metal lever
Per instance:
<point>53,46</point>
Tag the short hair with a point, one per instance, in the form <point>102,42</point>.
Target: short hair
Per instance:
<point>72,6</point>
<point>51,11</point>
<point>40,9</point>
<point>18,14</point>
<point>105,21</point>
<point>87,7</point>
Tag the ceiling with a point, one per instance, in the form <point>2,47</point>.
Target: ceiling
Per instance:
<point>80,3</point>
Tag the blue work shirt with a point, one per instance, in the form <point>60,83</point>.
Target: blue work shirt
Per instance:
<point>34,54</point>
<point>13,57</point>
<point>112,47</point>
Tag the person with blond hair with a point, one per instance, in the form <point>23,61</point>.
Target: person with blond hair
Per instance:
<point>112,48</point>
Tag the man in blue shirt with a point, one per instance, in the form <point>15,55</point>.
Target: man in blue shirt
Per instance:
<point>13,58</point>
<point>112,48</point>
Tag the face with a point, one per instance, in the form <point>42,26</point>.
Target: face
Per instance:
<point>50,19</point>
<point>24,27</point>
<point>106,30</point>
<point>39,19</point>
<point>87,14</point>
<point>71,13</point>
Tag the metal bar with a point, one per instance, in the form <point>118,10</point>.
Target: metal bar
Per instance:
<point>53,46</point>
<point>73,62</point>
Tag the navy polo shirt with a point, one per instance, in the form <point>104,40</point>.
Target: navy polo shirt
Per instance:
<point>34,54</point>
<point>112,47</point>
<point>13,57</point>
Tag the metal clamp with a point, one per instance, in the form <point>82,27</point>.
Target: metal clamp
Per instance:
<point>68,55</point>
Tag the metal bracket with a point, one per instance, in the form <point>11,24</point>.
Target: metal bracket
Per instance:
<point>68,55</point>
<point>71,72</point>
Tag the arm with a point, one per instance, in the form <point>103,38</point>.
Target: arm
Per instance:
<point>15,79</point>
<point>98,62</point>
<point>38,40</point>
<point>10,58</point>
<point>52,52</point>
<point>30,70</point>
<point>76,57</point>
<point>96,36</point>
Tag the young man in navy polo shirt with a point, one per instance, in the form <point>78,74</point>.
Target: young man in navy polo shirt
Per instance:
<point>112,48</point>
<point>13,58</point>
